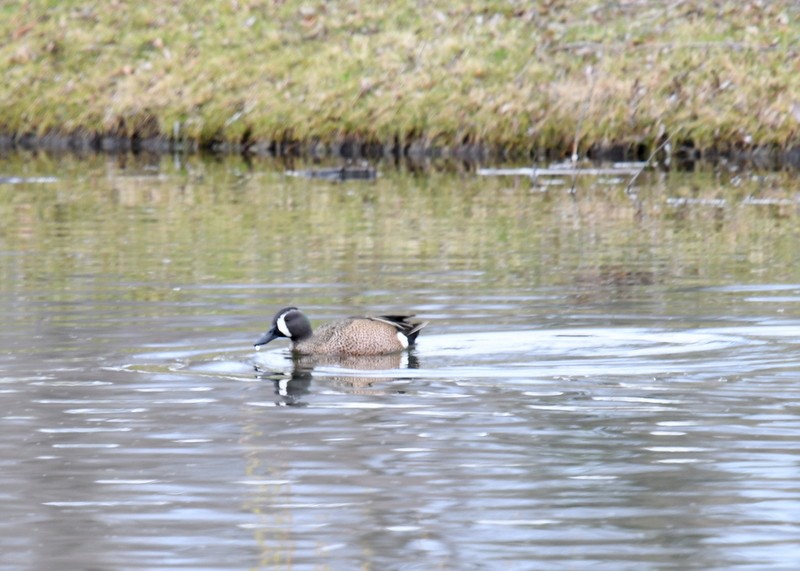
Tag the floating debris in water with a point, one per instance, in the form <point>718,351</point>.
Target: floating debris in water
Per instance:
<point>337,174</point>
<point>27,180</point>
<point>771,201</point>
<point>703,201</point>
<point>533,172</point>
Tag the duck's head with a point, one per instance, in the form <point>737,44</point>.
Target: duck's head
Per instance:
<point>290,323</point>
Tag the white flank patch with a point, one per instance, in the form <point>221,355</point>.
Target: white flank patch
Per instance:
<point>282,325</point>
<point>403,340</point>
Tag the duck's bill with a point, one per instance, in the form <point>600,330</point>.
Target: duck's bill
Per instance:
<point>266,337</point>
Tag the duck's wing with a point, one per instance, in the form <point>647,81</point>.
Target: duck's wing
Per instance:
<point>401,322</point>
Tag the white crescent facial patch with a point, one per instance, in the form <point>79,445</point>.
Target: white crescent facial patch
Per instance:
<point>282,325</point>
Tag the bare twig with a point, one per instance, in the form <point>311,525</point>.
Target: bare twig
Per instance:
<point>647,162</point>
<point>578,127</point>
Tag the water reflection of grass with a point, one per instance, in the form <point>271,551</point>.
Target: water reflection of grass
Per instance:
<point>516,73</point>
<point>217,225</point>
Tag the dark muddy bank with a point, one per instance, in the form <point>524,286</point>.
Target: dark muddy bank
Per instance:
<point>681,154</point>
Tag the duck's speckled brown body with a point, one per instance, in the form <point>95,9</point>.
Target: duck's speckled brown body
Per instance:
<point>352,336</point>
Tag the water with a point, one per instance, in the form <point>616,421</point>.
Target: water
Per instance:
<point>605,383</point>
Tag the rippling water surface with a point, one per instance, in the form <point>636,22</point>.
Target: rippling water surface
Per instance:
<point>607,381</point>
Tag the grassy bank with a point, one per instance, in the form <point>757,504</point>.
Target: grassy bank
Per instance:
<point>520,74</point>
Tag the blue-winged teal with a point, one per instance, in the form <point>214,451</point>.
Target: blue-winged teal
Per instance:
<point>352,336</point>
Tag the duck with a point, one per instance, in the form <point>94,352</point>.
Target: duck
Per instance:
<point>353,336</point>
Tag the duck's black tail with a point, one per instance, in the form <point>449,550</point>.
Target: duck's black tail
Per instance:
<point>409,328</point>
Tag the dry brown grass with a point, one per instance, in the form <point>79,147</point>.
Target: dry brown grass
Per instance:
<point>494,71</point>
